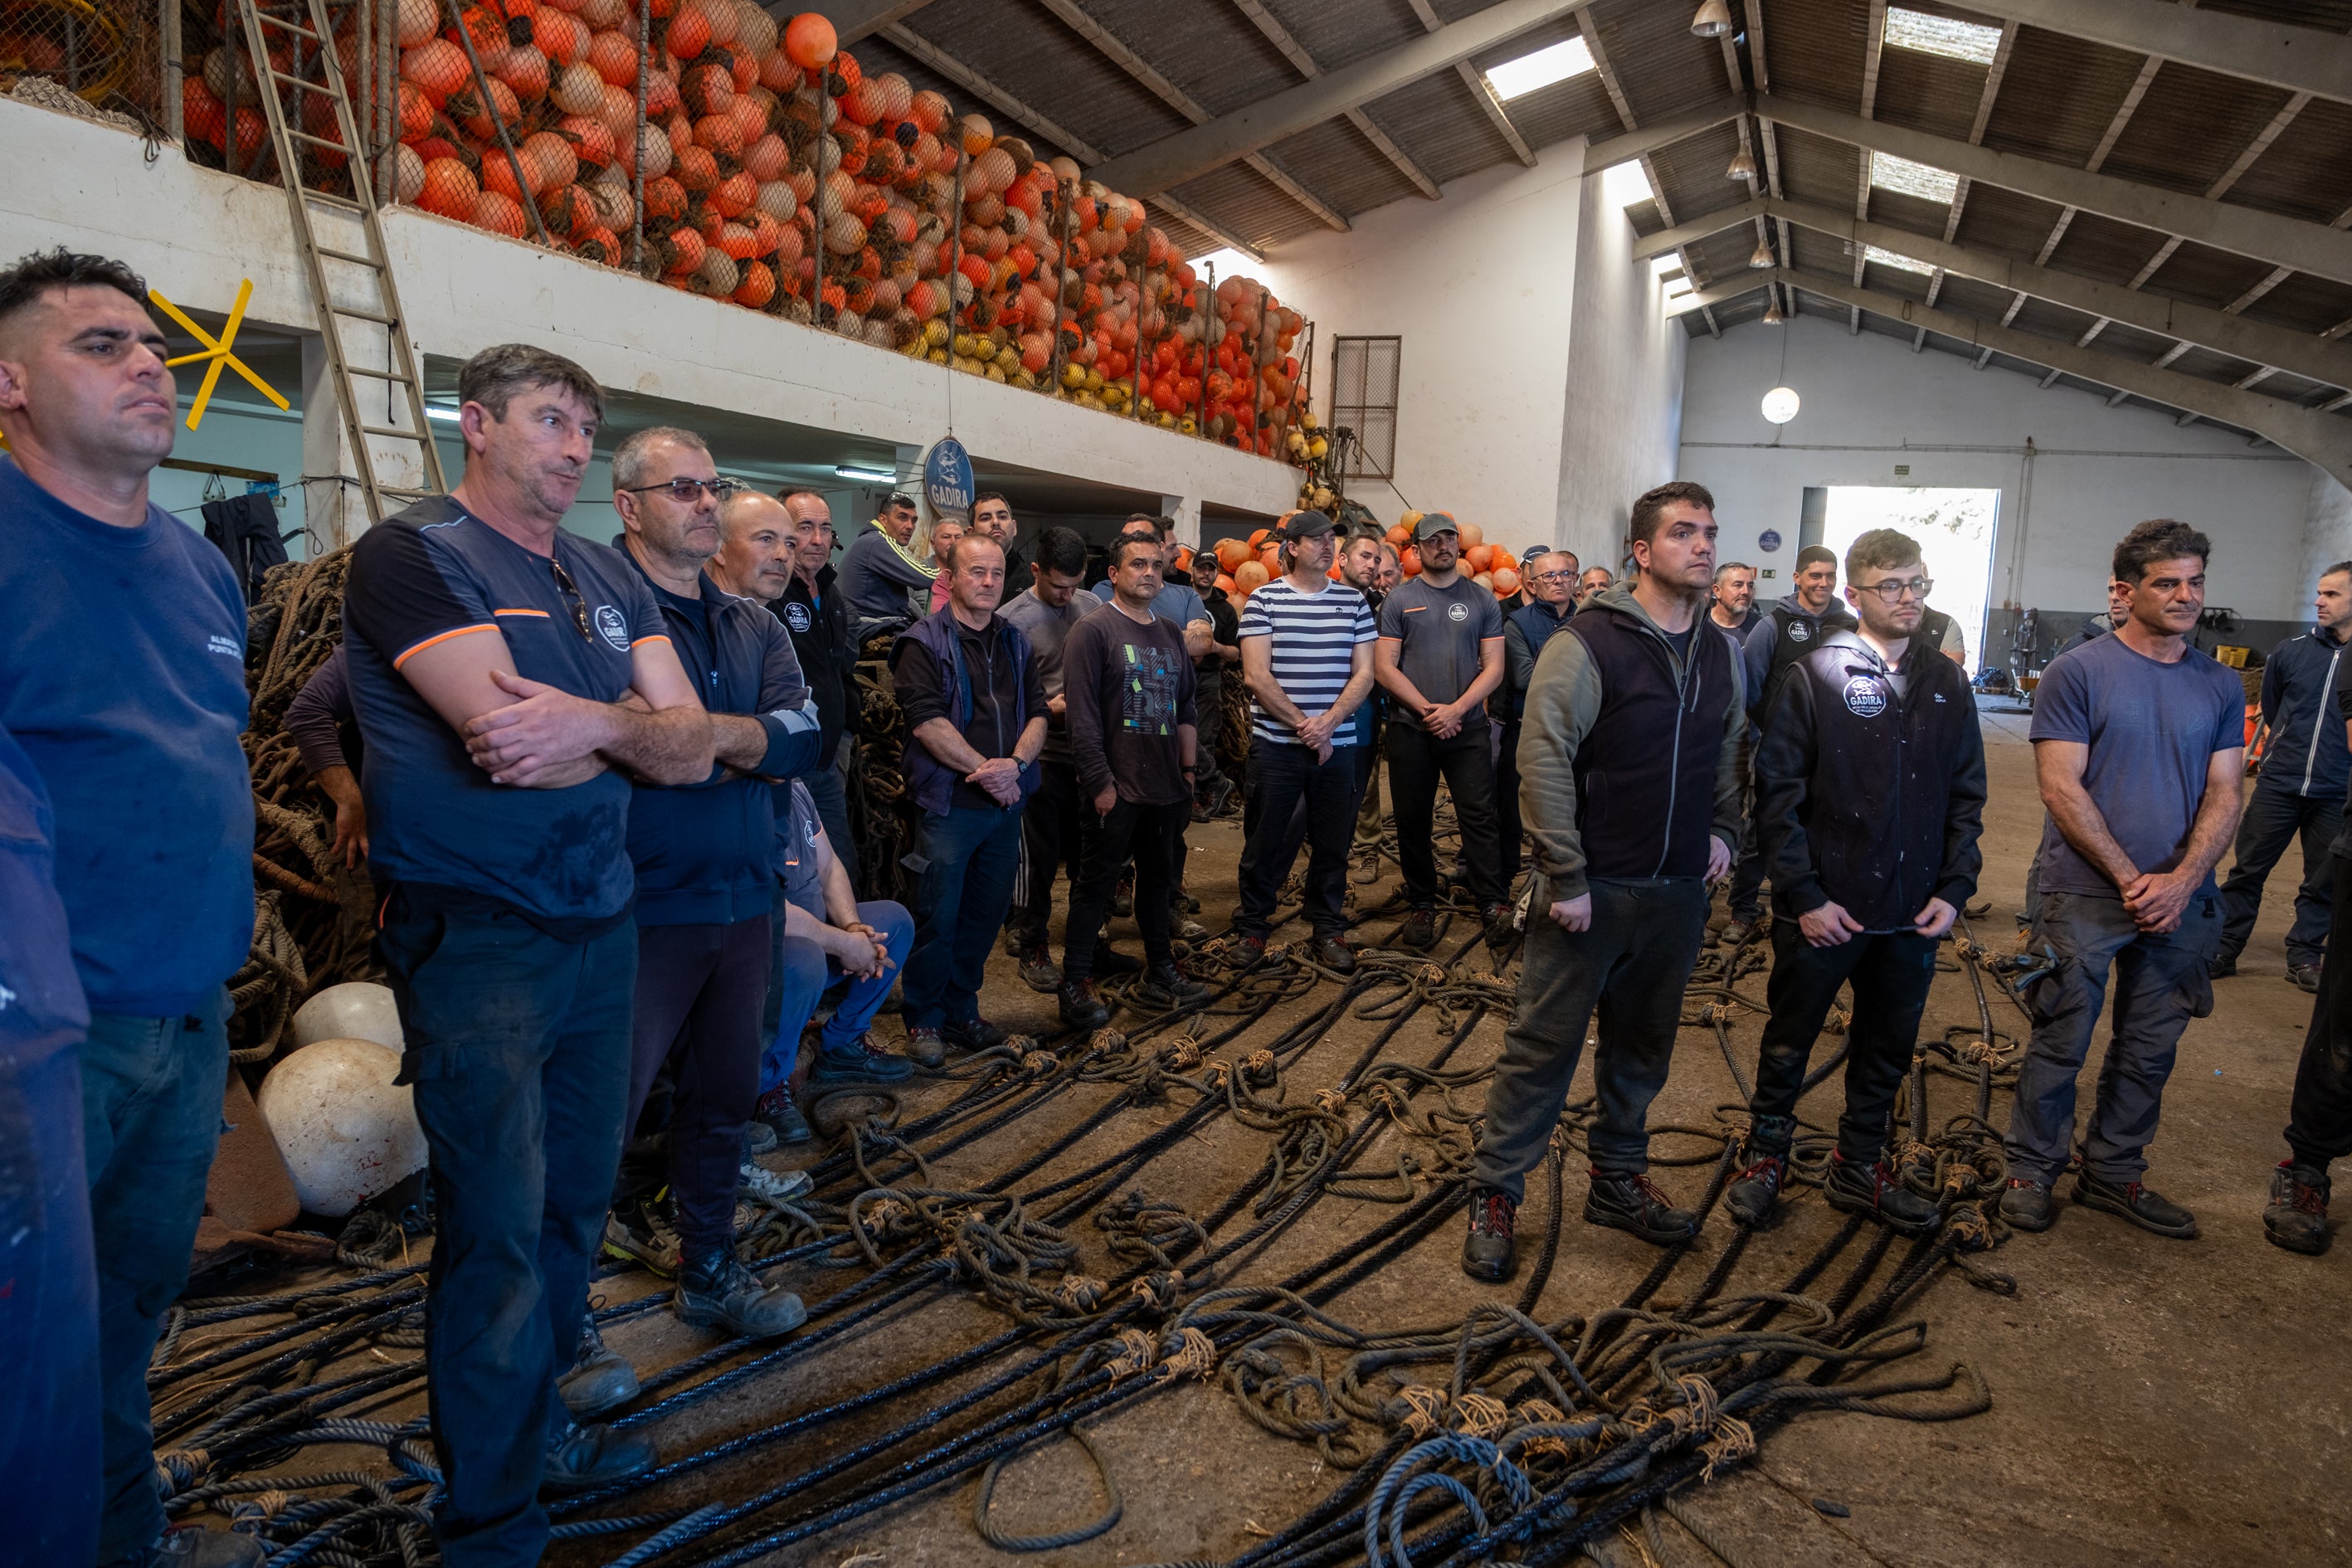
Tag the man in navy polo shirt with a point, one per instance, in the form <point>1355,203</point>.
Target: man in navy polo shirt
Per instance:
<point>505,672</point>
<point>123,677</point>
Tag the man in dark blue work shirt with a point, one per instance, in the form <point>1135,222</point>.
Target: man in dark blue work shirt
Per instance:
<point>504,671</point>
<point>123,677</point>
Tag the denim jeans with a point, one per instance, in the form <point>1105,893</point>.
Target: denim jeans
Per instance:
<point>518,1048</point>
<point>1416,761</point>
<point>2275,818</point>
<point>1890,973</point>
<point>1279,777</point>
<point>968,856</point>
<point>50,1458</point>
<point>1631,964</point>
<point>803,972</point>
<point>699,991</point>
<point>150,1118</point>
<point>2160,984</point>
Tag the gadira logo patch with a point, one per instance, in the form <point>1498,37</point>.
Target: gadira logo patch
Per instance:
<point>1865,695</point>
<point>796,616</point>
<point>1457,612</point>
<point>1800,632</point>
<point>615,628</point>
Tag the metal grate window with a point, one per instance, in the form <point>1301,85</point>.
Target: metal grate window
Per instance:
<point>1364,399</point>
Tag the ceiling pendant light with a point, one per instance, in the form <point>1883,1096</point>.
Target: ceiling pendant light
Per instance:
<point>1743,166</point>
<point>1761,257</point>
<point>1714,20</point>
<point>1773,317</point>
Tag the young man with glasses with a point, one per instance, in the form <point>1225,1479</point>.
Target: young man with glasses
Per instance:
<point>1870,791</point>
<point>506,672</point>
<point>1551,600</point>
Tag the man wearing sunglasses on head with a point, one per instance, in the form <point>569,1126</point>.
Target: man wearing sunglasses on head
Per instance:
<point>505,673</point>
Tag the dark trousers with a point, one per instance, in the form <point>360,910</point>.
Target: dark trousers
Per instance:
<point>2160,983</point>
<point>1052,840</point>
<point>969,857</point>
<point>1891,973</point>
<point>151,1116</point>
<point>2275,818</point>
<point>1280,777</point>
<point>1417,759</point>
<point>51,1462</point>
<point>2319,1123</point>
<point>699,994</point>
<point>828,789</point>
<point>1150,834</point>
<point>519,1049</point>
<point>1633,966</point>
<point>1745,896</point>
<point>1209,703</point>
<point>1509,833</point>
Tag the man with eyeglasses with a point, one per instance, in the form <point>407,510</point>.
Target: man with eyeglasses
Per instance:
<point>1870,787</point>
<point>1551,601</point>
<point>506,672</point>
<point>880,576</point>
<point>706,858</point>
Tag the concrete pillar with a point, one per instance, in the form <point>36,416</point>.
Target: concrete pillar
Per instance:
<point>333,507</point>
<point>1186,511</point>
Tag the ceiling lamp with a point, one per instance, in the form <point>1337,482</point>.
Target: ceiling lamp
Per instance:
<point>1773,317</point>
<point>1714,20</point>
<point>1780,404</point>
<point>1743,166</point>
<point>1761,257</point>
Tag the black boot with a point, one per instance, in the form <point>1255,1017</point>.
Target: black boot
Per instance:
<point>2149,1211</point>
<point>1489,1252</point>
<point>1872,1190</point>
<point>591,1455</point>
<point>2296,1218</point>
<point>716,1290</point>
<point>1081,1008</point>
<point>1754,1194</point>
<point>1630,1201</point>
<point>1166,986</point>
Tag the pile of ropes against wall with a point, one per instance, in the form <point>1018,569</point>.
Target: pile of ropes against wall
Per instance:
<point>1108,1267</point>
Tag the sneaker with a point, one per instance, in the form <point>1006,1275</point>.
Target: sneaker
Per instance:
<point>1081,1008</point>
<point>772,1187</point>
<point>717,1292</point>
<point>643,1231</point>
<point>2028,1205</point>
<point>601,1378</point>
<point>1419,930</point>
<point>1630,1201</point>
<point>591,1455</point>
<point>2149,1211</point>
<point>1489,1252</point>
<point>1190,931</point>
<point>1110,962</point>
<point>1756,1191</point>
<point>190,1546</point>
<point>1220,796</point>
<point>2297,1216</point>
<point>1122,898</point>
<point>1856,1188</point>
<point>2305,977</point>
<point>778,1113</point>
<point>862,1061</point>
<point>1038,970</point>
<point>1332,953</point>
<point>970,1035</point>
<point>1166,987</point>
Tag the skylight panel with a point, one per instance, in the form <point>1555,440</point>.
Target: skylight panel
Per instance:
<point>1953,40</point>
<point>1517,78</point>
<point>1893,173</point>
<point>1625,185</point>
<point>1895,260</point>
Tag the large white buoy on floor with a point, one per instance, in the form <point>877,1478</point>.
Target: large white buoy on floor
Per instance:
<point>348,1132</point>
<point>355,1010</point>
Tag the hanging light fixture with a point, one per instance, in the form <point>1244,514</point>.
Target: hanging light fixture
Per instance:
<point>1714,20</point>
<point>1743,166</point>
<point>1761,257</point>
<point>1773,317</point>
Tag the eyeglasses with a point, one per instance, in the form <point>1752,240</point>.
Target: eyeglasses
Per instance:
<point>571,591</point>
<point>1891,592</point>
<point>686,492</point>
<point>1555,577</point>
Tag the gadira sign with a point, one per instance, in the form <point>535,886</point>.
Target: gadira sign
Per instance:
<point>947,478</point>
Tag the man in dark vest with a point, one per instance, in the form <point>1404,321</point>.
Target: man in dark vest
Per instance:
<point>1870,791</point>
<point>1630,755</point>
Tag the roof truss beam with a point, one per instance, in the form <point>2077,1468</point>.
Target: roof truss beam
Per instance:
<point>1267,22</point>
<point>2300,59</point>
<point>1482,91</point>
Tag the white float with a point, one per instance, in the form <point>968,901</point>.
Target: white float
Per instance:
<point>347,1132</point>
<point>355,1010</point>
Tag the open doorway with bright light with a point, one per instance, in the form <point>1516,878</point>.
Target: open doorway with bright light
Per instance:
<point>1955,531</point>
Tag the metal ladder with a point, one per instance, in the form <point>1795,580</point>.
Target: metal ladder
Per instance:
<point>369,297</point>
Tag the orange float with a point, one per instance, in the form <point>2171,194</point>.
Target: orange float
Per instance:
<point>810,41</point>
<point>1507,582</point>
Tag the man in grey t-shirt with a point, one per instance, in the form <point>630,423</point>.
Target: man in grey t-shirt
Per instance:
<point>1045,611</point>
<point>1439,658</point>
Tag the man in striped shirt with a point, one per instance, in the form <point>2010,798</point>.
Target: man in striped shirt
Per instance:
<point>1306,658</point>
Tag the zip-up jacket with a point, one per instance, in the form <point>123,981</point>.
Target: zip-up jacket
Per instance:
<point>1868,796</point>
<point>929,781</point>
<point>2307,755</point>
<point>1781,636</point>
<point>1525,632</point>
<point>1631,756</point>
<point>877,573</point>
<point>705,853</point>
<point>819,623</point>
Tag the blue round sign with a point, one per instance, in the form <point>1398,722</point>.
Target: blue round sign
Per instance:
<point>947,478</point>
<point>1769,540</point>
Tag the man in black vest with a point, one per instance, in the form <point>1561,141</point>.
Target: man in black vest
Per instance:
<point>1870,791</point>
<point>1631,762</point>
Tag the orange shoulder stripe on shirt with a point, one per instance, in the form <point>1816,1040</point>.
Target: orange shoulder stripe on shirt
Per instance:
<point>642,641</point>
<point>542,615</point>
<point>444,637</point>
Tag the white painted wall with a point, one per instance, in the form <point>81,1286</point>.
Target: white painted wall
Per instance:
<point>1869,402</point>
<point>2327,526</point>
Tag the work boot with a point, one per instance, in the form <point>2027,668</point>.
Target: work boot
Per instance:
<point>1856,1188</point>
<point>1181,903</point>
<point>776,1111</point>
<point>2305,977</point>
<point>968,1034</point>
<point>601,1378</point>
<point>190,1546</point>
<point>1418,931</point>
<point>1754,1194</point>
<point>2028,1205</point>
<point>2221,968</point>
<point>1501,935</point>
<point>770,1186</point>
<point>1489,1252</point>
<point>2297,1216</point>
<point>591,1455</point>
<point>1038,970</point>
<point>1188,930</point>
<point>1110,963</point>
<point>1081,1007</point>
<point>1168,986</point>
<point>716,1290</point>
<point>1332,953</point>
<point>1630,1201</point>
<point>644,1231</point>
<point>2149,1211</point>
<point>1249,949</point>
<point>1736,933</point>
<point>1122,898</point>
<point>928,1047</point>
<point>759,1139</point>
<point>862,1061</point>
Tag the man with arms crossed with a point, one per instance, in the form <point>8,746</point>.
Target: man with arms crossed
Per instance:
<point>1870,791</point>
<point>504,671</point>
<point>2139,745</point>
<point>1631,753</point>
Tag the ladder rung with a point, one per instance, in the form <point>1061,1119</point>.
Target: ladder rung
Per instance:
<point>324,200</point>
<point>377,317</point>
<point>379,374</point>
<point>320,88</point>
<point>270,21</point>
<point>388,430</point>
<point>346,256</point>
<point>314,140</point>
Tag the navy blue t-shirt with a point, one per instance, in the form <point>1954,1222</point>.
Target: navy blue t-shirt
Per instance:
<point>2152,729</point>
<point>122,677</point>
<point>432,573</point>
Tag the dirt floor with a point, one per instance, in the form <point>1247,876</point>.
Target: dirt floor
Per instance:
<point>2152,1402</point>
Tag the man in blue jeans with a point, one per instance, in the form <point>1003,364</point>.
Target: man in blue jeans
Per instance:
<point>123,677</point>
<point>505,671</point>
<point>2140,748</point>
<point>975,707</point>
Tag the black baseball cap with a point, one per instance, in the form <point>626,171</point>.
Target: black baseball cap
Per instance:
<point>1435,522</point>
<point>1308,525</point>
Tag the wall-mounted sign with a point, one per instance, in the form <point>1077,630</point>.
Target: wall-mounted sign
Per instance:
<point>215,355</point>
<point>947,478</point>
<point>1769,540</point>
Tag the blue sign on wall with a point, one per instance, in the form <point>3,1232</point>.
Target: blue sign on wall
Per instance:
<point>947,478</point>
<point>1769,540</point>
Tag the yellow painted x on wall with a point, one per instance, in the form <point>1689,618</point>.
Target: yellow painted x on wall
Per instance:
<point>215,354</point>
